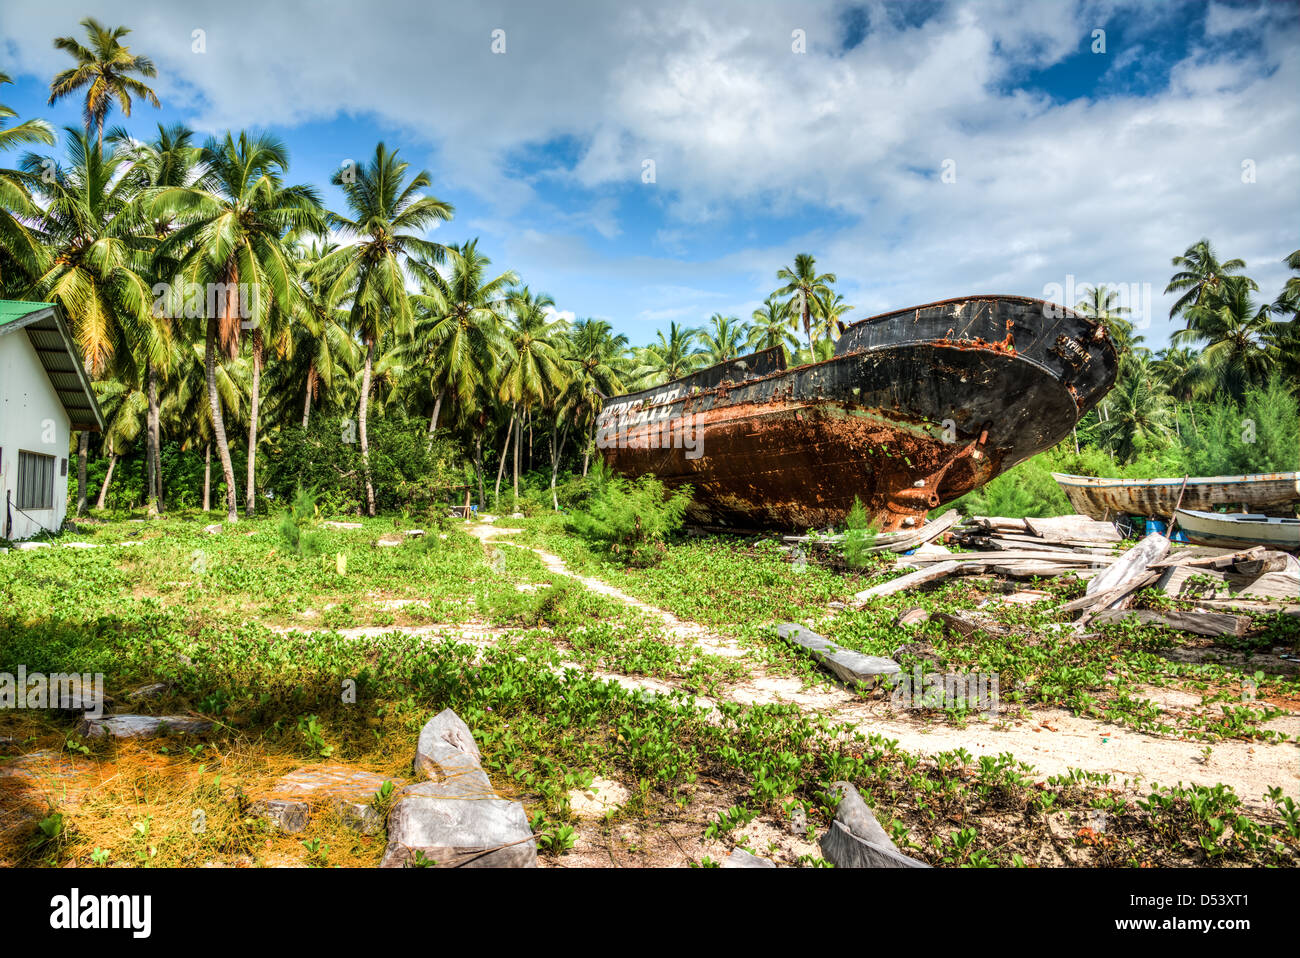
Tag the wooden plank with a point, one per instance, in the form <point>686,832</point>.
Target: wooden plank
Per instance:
<point>1131,564</point>
<point>1202,623</point>
<point>1266,561</point>
<point>1061,528</point>
<point>910,581</point>
<point>1071,559</point>
<point>1216,584</point>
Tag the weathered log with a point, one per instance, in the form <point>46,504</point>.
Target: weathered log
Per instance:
<point>1214,624</point>
<point>910,581</point>
<point>1131,564</point>
<point>1063,528</point>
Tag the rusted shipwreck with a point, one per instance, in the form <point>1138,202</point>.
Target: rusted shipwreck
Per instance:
<point>915,408</point>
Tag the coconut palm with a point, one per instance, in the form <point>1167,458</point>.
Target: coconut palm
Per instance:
<point>724,339</point>
<point>672,357</point>
<point>323,347</point>
<point>1184,376</point>
<point>104,70</point>
<point>595,355</point>
<point>232,241</point>
<point>1241,337</point>
<point>97,261</point>
<point>1139,413</point>
<point>21,254</point>
<point>772,326</point>
<point>534,372</point>
<point>458,338</point>
<point>1101,305</point>
<point>806,288</point>
<point>1200,275</point>
<point>388,211</point>
<point>831,310</point>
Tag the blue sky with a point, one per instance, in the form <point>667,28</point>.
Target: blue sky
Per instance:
<point>1070,166</point>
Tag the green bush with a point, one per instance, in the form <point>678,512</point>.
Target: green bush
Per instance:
<point>632,518</point>
<point>298,524</point>
<point>1260,435</point>
<point>859,535</point>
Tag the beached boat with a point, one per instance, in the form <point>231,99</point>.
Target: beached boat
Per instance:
<point>1107,498</point>
<point>915,408</point>
<point>1238,530</point>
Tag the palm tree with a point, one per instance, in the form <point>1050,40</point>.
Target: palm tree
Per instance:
<point>1200,276</point>
<point>388,210</point>
<point>672,357</point>
<point>1139,412</point>
<point>458,339</point>
<point>725,339</point>
<point>124,407</point>
<point>773,326</point>
<point>594,355</point>
<point>171,160</point>
<point>322,343</point>
<point>98,259</point>
<point>534,373</point>
<point>17,244</point>
<point>1184,376</point>
<point>1101,305</point>
<point>233,242</point>
<point>1241,338</point>
<point>104,72</point>
<point>831,308</point>
<point>806,288</point>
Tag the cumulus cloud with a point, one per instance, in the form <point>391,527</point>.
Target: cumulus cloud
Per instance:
<point>847,142</point>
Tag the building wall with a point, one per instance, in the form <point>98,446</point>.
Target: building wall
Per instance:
<point>31,420</point>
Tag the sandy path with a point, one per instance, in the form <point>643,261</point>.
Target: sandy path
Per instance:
<point>1052,740</point>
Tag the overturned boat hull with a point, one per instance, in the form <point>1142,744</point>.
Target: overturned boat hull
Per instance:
<point>1101,498</point>
<point>916,408</point>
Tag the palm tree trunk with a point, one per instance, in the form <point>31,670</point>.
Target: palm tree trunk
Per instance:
<point>361,424</point>
<point>83,451</point>
<point>250,496</point>
<point>437,409</point>
<point>151,470</point>
<point>505,451</point>
<point>478,466</point>
<point>519,441</point>
<point>108,477</point>
<point>306,403</point>
<point>219,424</point>
<point>556,452</point>
<point>207,475</point>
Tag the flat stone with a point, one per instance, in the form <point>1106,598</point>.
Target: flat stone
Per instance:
<point>847,665</point>
<point>143,726</point>
<point>453,832</point>
<point>912,617</point>
<point>331,524</point>
<point>597,800</point>
<point>82,545</point>
<point>414,533</point>
<point>349,792</point>
<point>149,691</point>
<point>739,858</point>
<point>857,840</point>
<point>29,546</point>
<point>213,529</point>
<point>390,540</point>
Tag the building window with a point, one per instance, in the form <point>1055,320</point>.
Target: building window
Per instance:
<point>35,481</point>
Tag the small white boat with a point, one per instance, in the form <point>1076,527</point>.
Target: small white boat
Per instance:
<point>1238,530</point>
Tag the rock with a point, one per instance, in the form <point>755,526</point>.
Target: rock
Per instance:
<point>348,791</point>
<point>143,726</point>
<point>82,545</point>
<point>739,858</point>
<point>30,546</point>
<point>912,617</point>
<point>148,691</point>
<point>331,524</point>
<point>453,832</point>
<point>447,755</point>
<point>597,800</point>
<point>847,665</point>
<point>213,529</point>
<point>516,515</point>
<point>414,533</point>
<point>856,840</point>
<point>487,517</point>
<point>390,540</point>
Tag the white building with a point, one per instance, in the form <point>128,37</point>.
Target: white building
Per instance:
<point>45,396</point>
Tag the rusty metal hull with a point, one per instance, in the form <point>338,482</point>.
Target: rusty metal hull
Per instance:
<point>916,408</point>
<point>1102,498</point>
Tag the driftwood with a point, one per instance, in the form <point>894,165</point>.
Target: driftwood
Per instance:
<point>909,581</point>
<point>1266,562</point>
<point>1278,586</point>
<point>1072,529</point>
<point>1202,623</point>
<point>1131,564</point>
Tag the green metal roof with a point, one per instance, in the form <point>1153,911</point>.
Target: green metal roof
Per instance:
<point>49,336</point>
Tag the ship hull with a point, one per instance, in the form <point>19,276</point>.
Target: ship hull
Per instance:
<point>915,409</point>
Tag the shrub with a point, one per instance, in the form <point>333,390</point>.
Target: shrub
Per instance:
<point>298,521</point>
<point>859,535</point>
<point>632,519</point>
